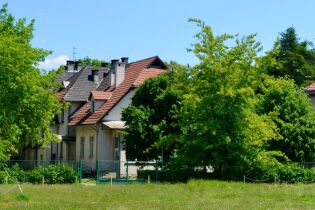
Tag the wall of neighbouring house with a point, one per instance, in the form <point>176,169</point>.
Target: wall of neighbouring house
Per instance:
<point>312,99</point>
<point>105,146</point>
<point>115,113</point>
<point>105,150</point>
<point>87,132</point>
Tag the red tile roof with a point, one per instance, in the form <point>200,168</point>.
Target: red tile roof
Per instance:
<point>101,95</point>
<point>135,74</point>
<point>311,87</point>
<point>147,73</point>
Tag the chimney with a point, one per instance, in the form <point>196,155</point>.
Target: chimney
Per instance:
<point>77,66</point>
<point>95,76</point>
<point>120,73</point>
<point>124,60</point>
<point>73,66</point>
<point>114,64</point>
<point>70,66</point>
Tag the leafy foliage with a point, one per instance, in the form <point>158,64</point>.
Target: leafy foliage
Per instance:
<point>292,58</point>
<point>153,119</point>
<point>291,111</point>
<point>53,174</point>
<point>27,105</point>
<point>232,118</point>
<point>87,61</point>
<point>220,126</point>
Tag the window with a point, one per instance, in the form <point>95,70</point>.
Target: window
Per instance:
<point>92,106</point>
<point>82,147</point>
<point>91,146</point>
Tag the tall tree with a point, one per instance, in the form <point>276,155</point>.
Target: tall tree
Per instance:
<point>27,104</point>
<point>292,58</point>
<point>152,118</point>
<point>290,110</point>
<point>221,128</point>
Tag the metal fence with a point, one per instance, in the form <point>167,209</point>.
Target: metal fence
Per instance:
<point>115,172</point>
<point>307,164</point>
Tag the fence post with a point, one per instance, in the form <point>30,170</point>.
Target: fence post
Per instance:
<point>156,171</point>
<point>275,179</point>
<point>244,179</point>
<point>79,170</point>
<point>97,172</point>
<point>127,171</point>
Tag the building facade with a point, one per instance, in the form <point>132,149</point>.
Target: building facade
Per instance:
<point>89,128</point>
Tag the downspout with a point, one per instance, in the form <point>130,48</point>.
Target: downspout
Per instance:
<point>96,156</point>
<point>96,144</point>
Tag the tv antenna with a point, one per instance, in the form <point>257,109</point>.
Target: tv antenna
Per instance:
<point>74,53</point>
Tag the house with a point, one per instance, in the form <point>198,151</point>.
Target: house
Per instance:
<point>310,90</point>
<point>89,128</point>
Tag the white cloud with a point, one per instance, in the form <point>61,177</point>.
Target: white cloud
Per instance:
<point>53,63</point>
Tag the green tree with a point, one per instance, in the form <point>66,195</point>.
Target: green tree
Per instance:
<point>290,110</point>
<point>27,104</point>
<point>292,58</point>
<point>220,126</point>
<point>87,61</point>
<point>152,118</point>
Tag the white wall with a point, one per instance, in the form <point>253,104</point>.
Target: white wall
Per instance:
<point>115,113</point>
<point>86,132</point>
<point>120,74</point>
<point>105,144</point>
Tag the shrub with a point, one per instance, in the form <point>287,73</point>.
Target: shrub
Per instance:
<point>53,174</point>
<point>173,175</point>
<point>11,175</point>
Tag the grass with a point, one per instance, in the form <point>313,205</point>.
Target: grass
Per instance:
<point>194,195</point>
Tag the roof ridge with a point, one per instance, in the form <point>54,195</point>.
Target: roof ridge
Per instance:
<point>156,56</point>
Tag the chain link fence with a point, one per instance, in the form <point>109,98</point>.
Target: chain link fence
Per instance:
<point>126,172</point>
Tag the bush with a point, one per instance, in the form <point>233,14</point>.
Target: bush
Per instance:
<point>11,175</point>
<point>53,174</point>
<point>283,172</point>
<point>173,176</point>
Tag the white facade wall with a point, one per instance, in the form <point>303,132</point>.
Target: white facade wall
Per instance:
<point>105,144</point>
<point>86,132</point>
<point>115,113</point>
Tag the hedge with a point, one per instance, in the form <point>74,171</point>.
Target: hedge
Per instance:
<point>53,174</point>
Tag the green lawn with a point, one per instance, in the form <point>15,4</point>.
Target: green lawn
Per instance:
<point>194,195</point>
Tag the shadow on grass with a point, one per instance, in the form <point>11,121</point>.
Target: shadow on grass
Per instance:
<point>22,198</point>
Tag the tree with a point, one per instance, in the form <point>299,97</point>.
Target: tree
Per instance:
<point>230,115</point>
<point>27,104</point>
<point>220,126</point>
<point>292,59</point>
<point>152,118</point>
<point>87,61</point>
<point>290,110</point>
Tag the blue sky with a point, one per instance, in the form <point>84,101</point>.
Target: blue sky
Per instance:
<point>139,29</point>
